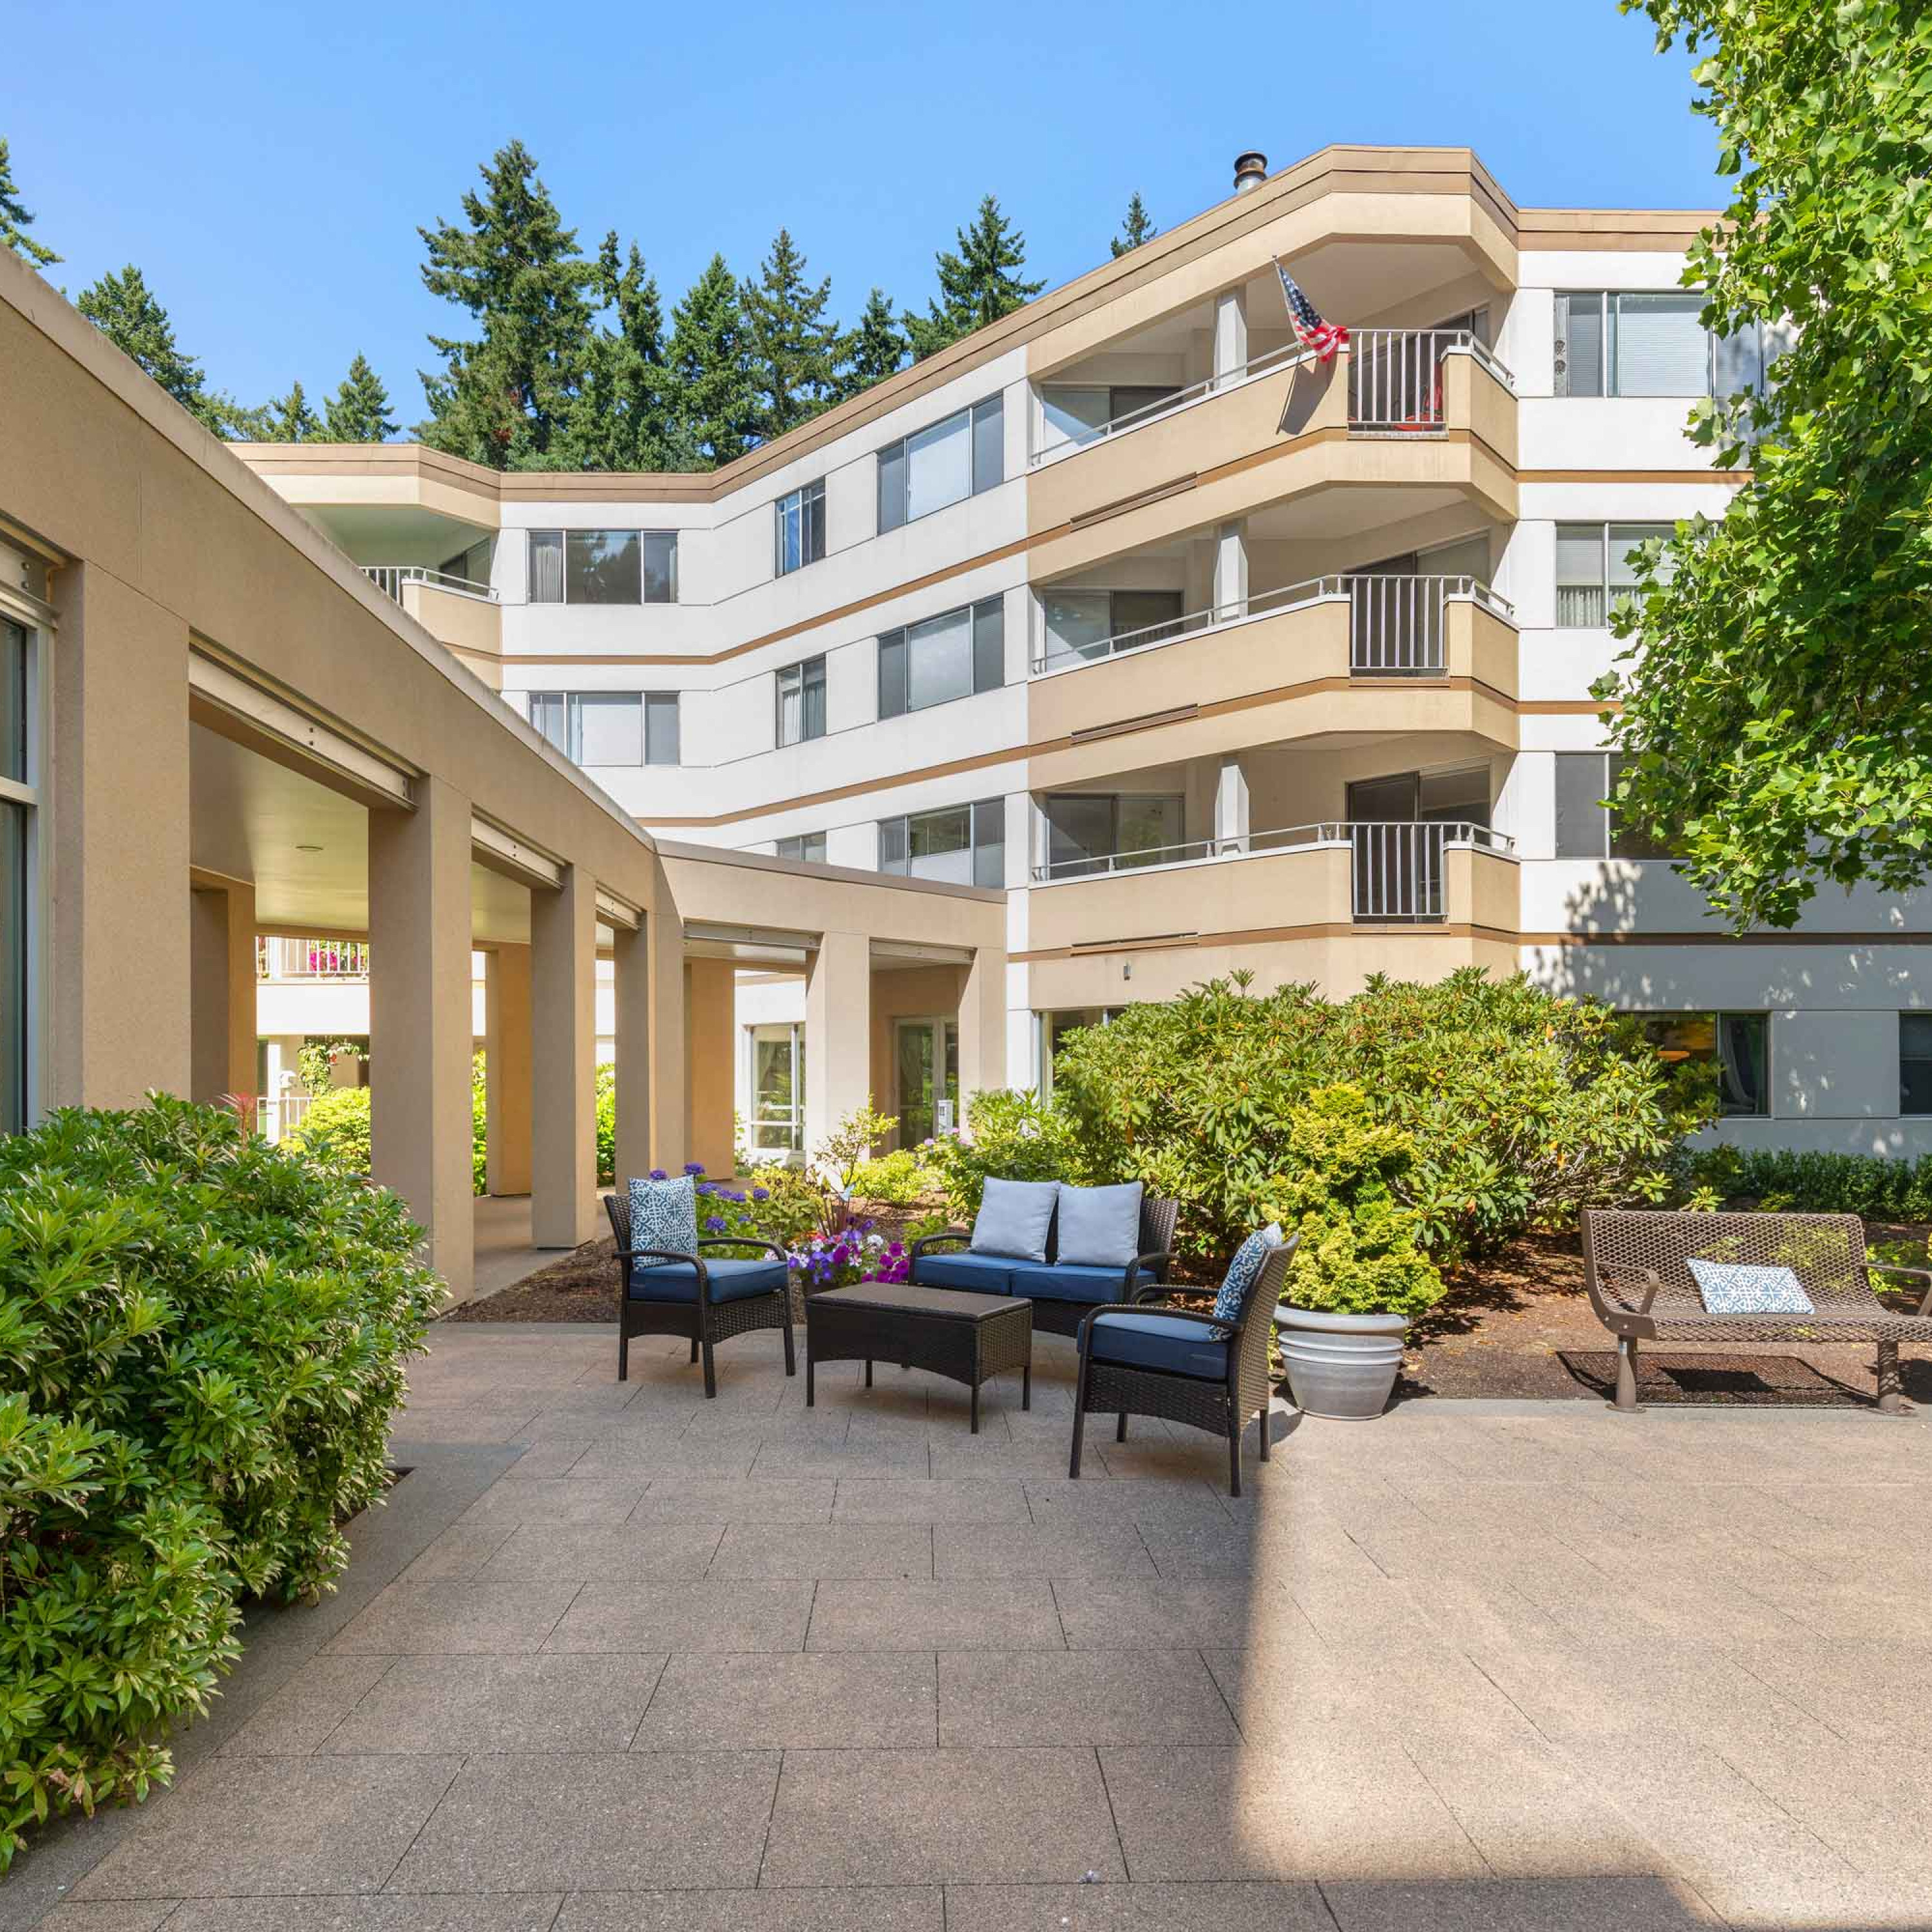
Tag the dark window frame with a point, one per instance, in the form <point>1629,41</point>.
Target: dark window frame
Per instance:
<point>808,715</point>
<point>665,570</point>
<point>986,621</point>
<point>985,837</point>
<point>986,434</point>
<point>808,500</point>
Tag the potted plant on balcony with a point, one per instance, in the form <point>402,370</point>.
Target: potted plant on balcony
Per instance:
<point>1360,1275</point>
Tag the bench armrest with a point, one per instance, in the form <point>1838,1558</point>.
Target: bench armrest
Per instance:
<point>1648,1279</point>
<point>1894,1267</point>
<point>925,1241</point>
<point>1156,1262</point>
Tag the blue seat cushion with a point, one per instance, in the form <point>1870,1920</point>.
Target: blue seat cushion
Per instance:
<point>1159,1341</point>
<point>731,1279</point>
<point>983,1274</point>
<point>1066,1281</point>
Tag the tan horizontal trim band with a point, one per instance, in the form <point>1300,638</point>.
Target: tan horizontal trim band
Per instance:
<point>1738,477</point>
<point>1266,936</point>
<point>1726,939</point>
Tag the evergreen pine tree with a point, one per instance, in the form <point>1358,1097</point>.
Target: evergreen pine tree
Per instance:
<point>125,310</point>
<point>358,412</point>
<point>978,285</point>
<point>1137,228</point>
<point>628,420</point>
<point>792,348</point>
<point>718,404</point>
<point>15,221</point>
<point>505,399</point>
<point>290,419</point>
<point>874,350</point>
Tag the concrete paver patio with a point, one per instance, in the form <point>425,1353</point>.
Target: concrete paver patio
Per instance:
<point>615,1659</point>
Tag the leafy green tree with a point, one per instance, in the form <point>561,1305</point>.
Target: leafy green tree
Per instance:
<point>978,283</point>
<point>792,347</point>
<point>290,419</point>
<point>124,309</point>
<point>1776,697</point>
<point>710,362</point>
<point>358,412</point>
<point>506,398</point>
<point>15,221</point>
<point>627,419</point>
<point>1136,228</point>
<point>872,351</point>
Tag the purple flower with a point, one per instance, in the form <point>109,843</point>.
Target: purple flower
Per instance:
<point>761,1194</point>
<point>693,1167</point>
<point>714,1224</point>
<point>658,1174</point>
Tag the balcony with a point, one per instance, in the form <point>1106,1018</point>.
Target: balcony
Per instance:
<point>459,612</point>
<point>311,959</point>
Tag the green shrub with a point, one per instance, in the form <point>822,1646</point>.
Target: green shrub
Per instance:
<point>607,1125</point>
<point>1522,1107</point>
<point>202,1339</point>
<point>1359,1253</point>
<point>1871,1185</point>
<point>479,1128</point>
<point>793,1204</point>
<point>900,1179</point>
<point>336,1128</point>
<point>1014,1137</point>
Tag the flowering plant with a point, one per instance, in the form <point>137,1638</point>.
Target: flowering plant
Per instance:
<point>857,1252</point>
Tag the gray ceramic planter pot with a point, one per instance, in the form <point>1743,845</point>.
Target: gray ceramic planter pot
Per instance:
<point>1341,1367</point>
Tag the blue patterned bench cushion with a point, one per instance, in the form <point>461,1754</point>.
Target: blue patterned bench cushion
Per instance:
<point>1065,1281</point>
<point>983,1274</point>
<point>1159,1341</point>
<point>1733,1288</point>
<point>731,1279</point>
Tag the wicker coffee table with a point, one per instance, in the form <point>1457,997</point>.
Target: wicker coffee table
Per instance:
<point>967,1338</point>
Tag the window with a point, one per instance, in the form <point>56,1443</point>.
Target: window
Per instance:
<point>945,463</point>
<point>1585,827</point>
<point>609,727</point>
<point>1056,1029</point>
<point>798,538</point>
<point>1091,623</point>
<point>801,702</point>
<point>1077,410</point>
<point>964,845</point>
<point>778,1088</point>
<point>1609,342</point>
<point>1738,1044</point>
<point>809,846</point>
<point>946,657</point>
<point>603,567</point>
<point>20,759</point>
<point>1594,572</point>
<point>472,565</point>
<point>1100,831</point>
<point>1915,1063</point>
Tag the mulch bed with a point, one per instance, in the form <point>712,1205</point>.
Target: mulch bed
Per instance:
<point>582,1286</point>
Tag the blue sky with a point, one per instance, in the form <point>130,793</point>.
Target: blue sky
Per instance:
<point>268,166</point>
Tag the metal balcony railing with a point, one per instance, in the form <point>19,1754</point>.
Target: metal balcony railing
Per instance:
<point>389,578</point>
<point>1395,376</point>
<point>277,1115</point>
<point>1397,866</point>
<point>1396,625</point>
<point>311,958</point>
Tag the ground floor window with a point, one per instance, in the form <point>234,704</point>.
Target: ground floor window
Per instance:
<point>1915,1063</point>
<point>1738,1044</point>
<point>1054,1029</point>
<point>925,1063</point>
<point>778,1089</point>
<point>19,797</point>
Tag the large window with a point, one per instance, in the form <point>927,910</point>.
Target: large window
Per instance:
<point>1091,623</point>
<point>963,845</point>
<point>603,567</point>
<point>1056,1029</point>
<point>798,536</point>
<point>946,657</point>
<point>777,1054</point>
<point>801,702</point>
<point>1915,1063</point>
<point>18,799</point>
<point>1079,410</point>
<point>1586,828</point>
<point>943,464</point>
<point>1099,832</point>
<point>609,727</point>
<point>1594,574</point>
<point>1738,1044</point>
<point>807,845</point>
<point>1611,343</point>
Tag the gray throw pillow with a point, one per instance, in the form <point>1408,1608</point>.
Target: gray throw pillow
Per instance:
<point>1100,1227</point>
<point>1014,1218</point>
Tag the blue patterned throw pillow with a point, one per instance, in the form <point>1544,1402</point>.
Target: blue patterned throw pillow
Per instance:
<point>1730,1288</point>
<point>1248,1260</point>
<point>663,1214</point>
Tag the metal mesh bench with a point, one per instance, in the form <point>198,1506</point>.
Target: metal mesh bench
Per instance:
<point>1636,1269</point>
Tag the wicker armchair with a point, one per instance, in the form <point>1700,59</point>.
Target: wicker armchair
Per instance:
<point>1635,1267</point>
<point>1051,1314</point>
<point>1183,1366</point>
<point>709,1303</point>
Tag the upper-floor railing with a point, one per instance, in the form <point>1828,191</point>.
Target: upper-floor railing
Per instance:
<point>1397,624</point>
<point>277,958</point>
<point>1397,865</point>
<point>389,578</point>
<point>1395,382</point>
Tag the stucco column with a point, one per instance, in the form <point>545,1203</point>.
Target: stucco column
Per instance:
<point>506,1068</point>
<point>422,1129</point>
<point>1230,331</point>
<point>1230,807</point>
<point>120,997</point>
<point>710,1061</point>
<point>563,1076</point>
<point>222,1026</point>
<point>838,1032</point>
<point>1231,570</point>
<point>671,1129</point>
<point>631,996</point>
<point>982,1026</point>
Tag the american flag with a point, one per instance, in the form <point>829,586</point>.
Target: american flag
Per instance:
<point>1311,331</point>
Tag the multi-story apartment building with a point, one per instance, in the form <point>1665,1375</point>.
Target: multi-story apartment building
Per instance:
<point>1212,653</point>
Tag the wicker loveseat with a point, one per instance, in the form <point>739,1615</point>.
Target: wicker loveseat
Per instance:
<point>1063,1293</point>
<point>1637,1268</point>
